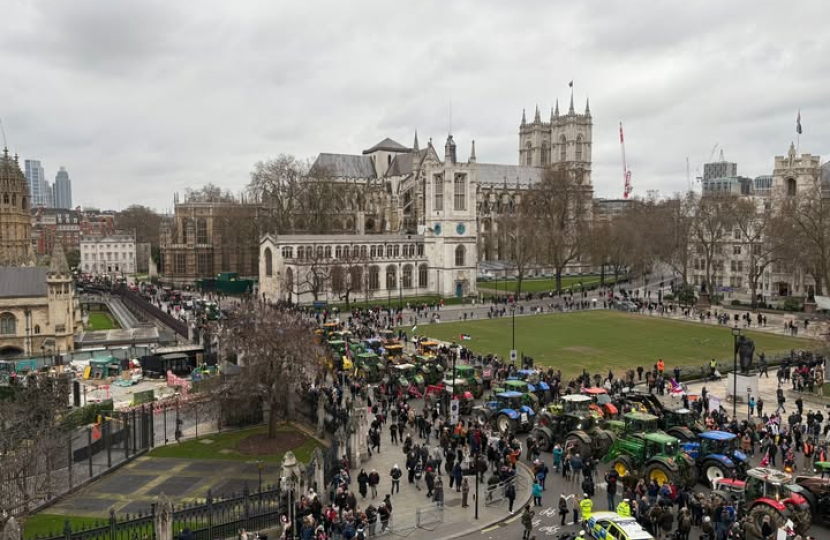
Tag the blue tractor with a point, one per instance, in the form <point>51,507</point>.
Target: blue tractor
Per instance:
<point>717,456</point>
<point>506,412</point>
<point>535,383</point>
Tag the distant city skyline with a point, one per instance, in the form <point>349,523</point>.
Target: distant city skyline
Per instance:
<point>155,100</point>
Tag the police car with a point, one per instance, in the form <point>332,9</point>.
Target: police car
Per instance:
<point>612,526</point>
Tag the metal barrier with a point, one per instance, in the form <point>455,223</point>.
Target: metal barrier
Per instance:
<point>496,493</point>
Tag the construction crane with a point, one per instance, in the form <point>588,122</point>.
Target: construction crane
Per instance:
<point>712,153</point>
<point>627,187</point>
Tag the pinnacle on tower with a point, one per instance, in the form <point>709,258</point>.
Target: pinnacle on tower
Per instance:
<point>556,112</point>
<point>551,115</point>
<point>57,263</point>
<point>472,152</point>
<point>537,119</point>
<point>571,109</point>
<point>415,147</point>
<point>587,107</point>
<point>524,120</point>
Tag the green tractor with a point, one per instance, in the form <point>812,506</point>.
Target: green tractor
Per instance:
<point>571,424</point>
<point>643,450</point>
<point>430,368</point>
<point>370,366</point>
<point>468,373</point>
<point>408,379</point>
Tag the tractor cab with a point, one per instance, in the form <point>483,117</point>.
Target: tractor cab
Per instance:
<point>394,352</point>
<point>429,348</point>
<point>636,422</point>
<point>577,403</point>
<point>388,336</point>
<point>369,366</point>
<point>535,382</point>
<point>718,455</point>
<point>460,390</point>
<point>406,375</point>
<point>515,385</point>
<point>509,400</point>
<point>659,443</point>
<point>468,373</point>
<point>602,402</point>
<point>430,368</point>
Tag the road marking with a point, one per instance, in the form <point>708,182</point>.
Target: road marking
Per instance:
<point>511,520</point>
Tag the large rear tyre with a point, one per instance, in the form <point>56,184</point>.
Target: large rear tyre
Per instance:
<point>657,472</point>
<point>623,465</point>
<point>758,513</point>
<point>713,470</point>
<point>545,442</point>
<point>802,519</point>
<point>683,434</point>
<point>603,440</point>
<point>578,445</point>
<point>505,424</point>
<point>481,418</point>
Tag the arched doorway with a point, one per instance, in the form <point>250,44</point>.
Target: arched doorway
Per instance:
<point>10,351</point>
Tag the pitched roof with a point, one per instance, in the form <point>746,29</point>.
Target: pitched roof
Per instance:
<point>404,164</point>
<point>389,145</point>
<point>492,173</point>
<point>343,166</point>
<point>23,282</point>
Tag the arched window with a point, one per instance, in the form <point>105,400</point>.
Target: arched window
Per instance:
<point>14,199</point>
<point>356,278</point>
<point>407,276</point>
<point>201,231</point>
<point>423,282</point>
<point>374,278</point>
<point>792,187</point>
<point>460,253</point>
<point>579,148</point>
<point>319,253</point>
<point>355,252</point>
<point>460,192</point>
<point>337,279</point>
<point>8,324</point>
<point>5,198</point>
<point>37,329</point>
<point>338,252</point>
<point>439,193</point>
<point>24,203</point>
<point>388,251</point>
<point>563,146</point>
<point>289,279</point>
<point>373,252</point>
<point>269,263</point>
<point>528,154</point>
<point>328,252</point>
<point>545,152</point>
<point>396,251</point>
<point>363,252</point>
<point>420,250</point>
<point>391,276</point>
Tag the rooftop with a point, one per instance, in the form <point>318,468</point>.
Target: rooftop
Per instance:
<point>23,282</point>
<point>388,145</point>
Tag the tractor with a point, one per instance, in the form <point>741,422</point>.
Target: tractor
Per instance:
<point>570,423</point>
<point>468,373</point>
<point>602,402</point>
<point>816,489</point>
<point>506,412</point>
<point>407,379</point>
<point>645,451</point>
<point>394,354</point>
<point>515,385</point>
<point>430,368</point>
<point>370,366</point>
<point>428,348</point>
<point>717,456</point>
<point>680,423</point>
<point>458,389</point>
<point>535,382</point>
<point>768,493</point>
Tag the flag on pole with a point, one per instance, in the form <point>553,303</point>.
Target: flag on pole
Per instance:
<point>571,84</point>
<point>798,123</point>
<point>622,139</point>
<point>466,337</point>
<point>765,461</point>
<point>414,328</point>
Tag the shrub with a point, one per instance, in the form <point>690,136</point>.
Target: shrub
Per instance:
<point>736,302</point>
<point>792,304</point>
<point>668,296</point>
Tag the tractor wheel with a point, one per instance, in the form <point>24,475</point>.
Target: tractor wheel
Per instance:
<point>757,514</point>
<point>481,418</point>
<point>603,440</point>
<point>658,472</point>
<point>714,471</point>
<point>505,424</point>
<point>623,465</point>
<point>681,434</point>
<point>578,445</point>
<point>802,519</point>
<point>545,443</point>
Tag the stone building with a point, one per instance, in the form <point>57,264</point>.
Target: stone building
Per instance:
<point>15,219</point>
<point>108,255</point>
<point>205,238</point>
<point>39,313</point>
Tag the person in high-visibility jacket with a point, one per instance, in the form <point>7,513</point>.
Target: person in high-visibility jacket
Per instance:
<point>624,509</point>
<point>587,506</point>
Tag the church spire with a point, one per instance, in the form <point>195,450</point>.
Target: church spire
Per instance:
<point>571,108</point>
<point>472,152</point>
<point>556,112</point>
<point>537,119</point>
<point>524,120</point>
<point>587,107</point>
<point>415,147</point>
<point>57,263</point>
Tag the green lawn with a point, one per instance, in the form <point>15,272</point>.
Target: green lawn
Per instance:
<point>223,446</point>
<point>47,524</point>
<point>599,340</point>
<point>540,285</point>
<point>101,320</point>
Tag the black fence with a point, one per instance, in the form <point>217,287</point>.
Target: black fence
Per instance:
<point>87,454</point>
<point>143,309</point>
<point>207,519</point>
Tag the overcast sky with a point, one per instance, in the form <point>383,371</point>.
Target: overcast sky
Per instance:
<point>140,99</point>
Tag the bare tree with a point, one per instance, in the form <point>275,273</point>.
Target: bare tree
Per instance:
<point>756,223</point>
<point>143,220</point>
<point>278,354</point>
<point>713,222</point>
<point>347,276</point>
<point>804,227</point>
<point>312,274</point>
<point>561,206</point>
<point>277,184</point>
<point>669,228</point>
<point>516,226</point>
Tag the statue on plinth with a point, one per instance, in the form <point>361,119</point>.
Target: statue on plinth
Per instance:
<point>746,350</point>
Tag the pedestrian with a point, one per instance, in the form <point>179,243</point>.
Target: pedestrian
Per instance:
<point>611,488</point>
<point>374,480</point>
<point>396,474</point>
<point>362,483</point>
<point>465,491</point>
<point>537,493</point>
<point>439,493</point>
<point>527,522</point>
<point>563,509</point>
<point>457,475</point>
<point>760,405</point>
<point>586,505</point>
<point>510,493</point>
<point>684,524</point>
<point>576,507</point>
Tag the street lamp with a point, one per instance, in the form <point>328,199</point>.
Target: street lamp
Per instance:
<point>478,473</point>
<point>513,316</point>
<point>736,332</point>
<point>259,465</point>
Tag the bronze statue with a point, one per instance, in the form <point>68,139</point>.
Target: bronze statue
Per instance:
<point>746,350</point>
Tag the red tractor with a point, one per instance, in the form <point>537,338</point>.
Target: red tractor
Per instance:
<point>767,493</point>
